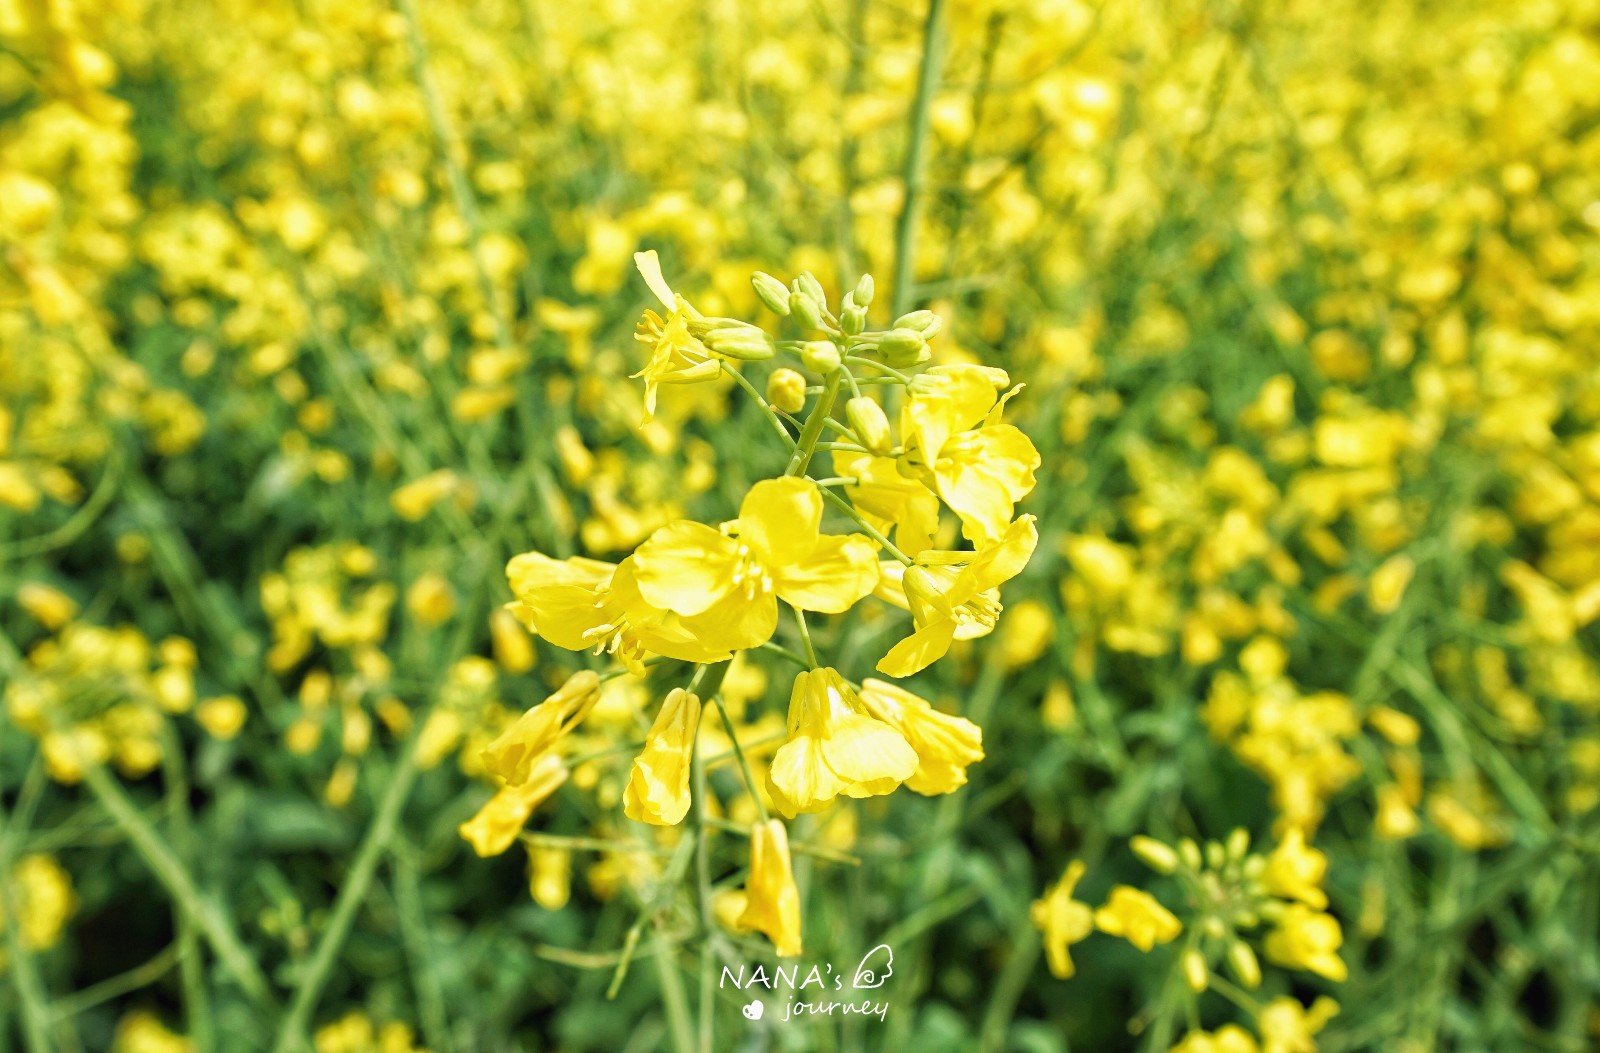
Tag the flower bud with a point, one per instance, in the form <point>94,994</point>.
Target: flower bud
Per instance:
<point>852,319</point>
<point>870,423</point>
<point>805,310</point>
<point>1157,856</point>
<point>1189,852</point>
<point>903,347</point>
<point>1195,973</point>
<point>925,322</point>
<point>771,292</point>
<point>786,389</point>
<point>820,356</point>
<point>863,291</point>
<point>1242,961</point>
<point>808,284</point>
<point>746,343</point>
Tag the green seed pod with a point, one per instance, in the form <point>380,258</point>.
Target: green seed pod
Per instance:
<point>820,356</point>
<point>870,423</point>
<point>771,292</point>
<point>786,389</point>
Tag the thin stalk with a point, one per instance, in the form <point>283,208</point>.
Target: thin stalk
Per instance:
<point>744,765</point>
<point>702,834</point>
<point>30,989</point>
<point>191,968</point>
<point>805,636</point>
<point>291,1035</point>
<point>916,150</point>
<point>807,444</point>
<point>201,909</point>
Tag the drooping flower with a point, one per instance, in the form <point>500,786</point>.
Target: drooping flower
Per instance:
<point>772,900</point>
<point>585,604</point>
<point>834,747</point>
<point>658,786</point>
<point>496,825</point>
<point>730,580</point>
<point>955,596</point>
<point>1063,920</point>
<point>514,753</point>
<point>1308,939</point>
<point>954,439</point>
<point>1137,917</point>
<point>945,745</point>
<point>676,355</point>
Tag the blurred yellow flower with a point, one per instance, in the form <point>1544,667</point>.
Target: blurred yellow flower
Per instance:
<point>1135,915</point>
<point>496,825</point>
<point>1063,920</point>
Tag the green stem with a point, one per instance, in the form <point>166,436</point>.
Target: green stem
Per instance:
<point>807,444</point>
<point>703,881</point>
<point>24,976</point>
<point>867,528</point>
<point>191,969</point>
<point>744,765</point>
<point>201,909</point>
<point>916,149</point>
<point>419,948</point>
<point>760,401</point>
<point>805,636</point>
<point>291,1035</point>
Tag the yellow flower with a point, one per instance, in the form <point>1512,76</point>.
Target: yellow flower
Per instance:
<point>658,787</point>
<point>141,1031</point>
<point>1295,870</point>
<point>1229,1038</point>
<point>1288,1027</point>
<point>980,467</point>
<point>834,747</point>
<point>1063,920</point>
<point>955,596</point>
<point>500,820</point>
<point>1308,939</point>
<point>513,754</point>
<point>1137,917</point>
<point>889,498</point>
<point>772,900</point>
<point>944,744</point>
<point>585,604</point>
<point>676,355</point>
<point>734,577</point>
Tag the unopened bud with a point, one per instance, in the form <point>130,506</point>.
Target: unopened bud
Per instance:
<point>771,292</point>
<point>1242,961</point>
<point>863,291</point>
<point>746,343</point>
<point>805,310</point>
<point>786,389</point>
<point>1195,973</point>
<point>1189,852</point>
<point>1157,856</point>
<point>852,319</point>
<point>808,284</point>
<point>820,356</point>
<point>903,347</point>
<point>925,322</point>
<point>870,424</point>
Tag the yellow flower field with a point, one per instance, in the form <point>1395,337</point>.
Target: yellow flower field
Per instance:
<point>844,525</point>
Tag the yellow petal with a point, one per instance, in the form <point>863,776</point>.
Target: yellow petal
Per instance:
<point>780,519</point>
<point>799,779</point>
<point>685,567</point>
<point>649,265</point>
<point>838,572</point>
<point>871,757</point>
<point>919,650</point>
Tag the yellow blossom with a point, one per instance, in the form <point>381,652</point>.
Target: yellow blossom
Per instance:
<point>1136,916</point>
<point>945,744</point>
<point>1295,870</point>
<point>658,786</point>
<point>954,439</point>
<point>1063,920</point>
<point>515,753</point>
<point>774,550</point>
<point>955,596</point>
<point>772,900</point>
<point>834,747</point>
<point>1288,1027</point>
<point>496,825</point>
<point>1307,939</point>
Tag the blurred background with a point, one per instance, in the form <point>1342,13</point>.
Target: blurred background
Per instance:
<point>315,312</point>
